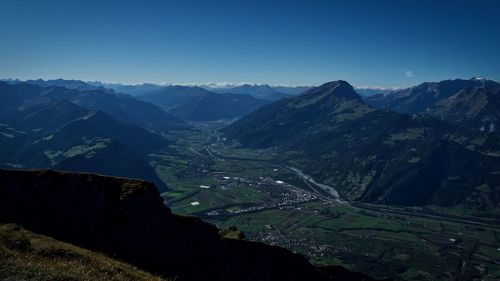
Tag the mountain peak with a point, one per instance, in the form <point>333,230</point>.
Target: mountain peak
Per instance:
<point>336,89</point>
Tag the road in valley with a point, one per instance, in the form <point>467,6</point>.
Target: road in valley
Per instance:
<point>321,190</point>
<point>308,179</point>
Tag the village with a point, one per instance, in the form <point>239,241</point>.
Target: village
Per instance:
<point>282,194</point>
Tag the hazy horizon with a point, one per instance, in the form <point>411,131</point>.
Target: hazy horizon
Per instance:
<point>236,84</point>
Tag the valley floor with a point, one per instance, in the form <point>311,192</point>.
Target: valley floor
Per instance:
<point>275,203</point>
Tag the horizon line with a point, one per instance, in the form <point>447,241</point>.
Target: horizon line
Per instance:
<point>222,84</point>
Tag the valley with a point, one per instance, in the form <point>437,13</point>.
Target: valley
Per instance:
<point>250,140</point>
<point>270,201</point>
<point>323,174</point>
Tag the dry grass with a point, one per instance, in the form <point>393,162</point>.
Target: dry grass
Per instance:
<point>232,232</point>
<point>28,256</point>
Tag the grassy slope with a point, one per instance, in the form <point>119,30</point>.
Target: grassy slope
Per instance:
<point>28,256</point>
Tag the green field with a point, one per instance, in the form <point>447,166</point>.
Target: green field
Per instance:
<point>381,241</point>
<point>380,244</point>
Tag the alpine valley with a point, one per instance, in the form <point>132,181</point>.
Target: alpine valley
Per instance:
<point>108,181</point>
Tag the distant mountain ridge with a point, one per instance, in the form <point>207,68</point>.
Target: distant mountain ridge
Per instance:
<point>133,90</point>
<point>475,107</point>
<point>250,88</point>
<point>467,103</point>
<point>122,107</point>
<point>69,84</point>
<point>434,99</point>
<point>260,91</point>
<point>198,104</point>
<point>264,91</point>
<point>191,103</point>
<point>419,98</point>
<point>371,91</point>
<point>376,156</point>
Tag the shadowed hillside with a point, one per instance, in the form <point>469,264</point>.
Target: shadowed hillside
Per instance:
<point>377,156</point>
<point>199,104</point>
<point>41,127</point>
<point>126,219</point>
<point>28,256</point>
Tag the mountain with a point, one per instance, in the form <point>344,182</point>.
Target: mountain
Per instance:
<point>69,84</point>
<point>291,90</point>
<point>376,156</point>
<point>472,107</point>
<point>170,97</point>
<point>107,215</point>
<point>123,108</point>
<point>41,130</point>
<point>367,92</point>
<point>198,104</point>
<point>217,106</point>
<point>133,90</point>
<point>126,162</point>
<point>467,103</point>
<point>281,122</point>
<point>263,92</point>
<point>419,98</point>
<point>87,136</point>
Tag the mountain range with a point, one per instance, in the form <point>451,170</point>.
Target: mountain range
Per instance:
<point>132,90</point>
<point>260,91</point>
<point>435,144</point>
<point>375,155</point>
<point>199,104</point>
<point>65,83</point>
<point>122,107</point>
<point>467,103</point>
<point>192,103</point>
<point>42,127</point>
<point>371,91</point>
<point>264,92</point>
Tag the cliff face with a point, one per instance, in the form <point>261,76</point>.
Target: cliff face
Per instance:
<point>126,219</point>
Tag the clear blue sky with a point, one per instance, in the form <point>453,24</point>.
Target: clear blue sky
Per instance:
<point>386,43</point>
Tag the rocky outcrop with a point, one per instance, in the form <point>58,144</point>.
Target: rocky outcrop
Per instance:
<point>126,219</point>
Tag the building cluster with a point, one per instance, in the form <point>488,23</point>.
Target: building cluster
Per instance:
<point>278,194</point>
